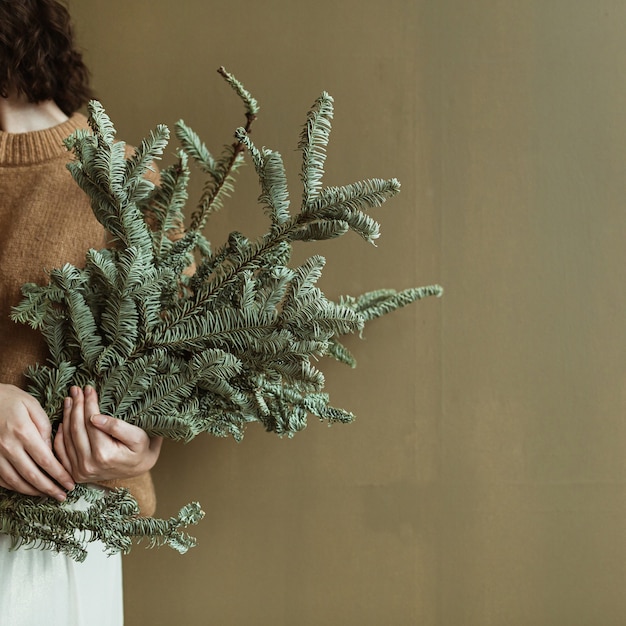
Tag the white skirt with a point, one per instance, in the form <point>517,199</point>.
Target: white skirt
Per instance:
<point>43,587</point>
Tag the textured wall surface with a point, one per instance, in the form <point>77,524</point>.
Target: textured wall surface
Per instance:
<point>484,481</point>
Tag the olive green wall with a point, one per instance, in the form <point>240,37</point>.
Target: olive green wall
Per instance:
<point>484,480</point>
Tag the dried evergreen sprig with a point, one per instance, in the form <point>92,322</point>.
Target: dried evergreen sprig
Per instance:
<point>178,356</point>
<point>220,180</point>
<point>90,514</point>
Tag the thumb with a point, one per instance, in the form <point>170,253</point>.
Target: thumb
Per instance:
<point>128,434</point>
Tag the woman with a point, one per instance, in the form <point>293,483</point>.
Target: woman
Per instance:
<point>46,221</point>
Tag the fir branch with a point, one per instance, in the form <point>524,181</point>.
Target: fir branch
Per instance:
<point>84,328</point>
<point>168,201</point>
<point>196,148</point>
<point>134,182</point>
<point>252,106</point>
<point>271,171</point>
<point>111,516</point>
<point>234,344</point>
<point>313,141</point>
<point>221,172</point>
<point>383,301</point>
<point>340,353</point>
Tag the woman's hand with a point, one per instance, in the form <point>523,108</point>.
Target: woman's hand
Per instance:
<point>94,447</point>
<point>27,463</point>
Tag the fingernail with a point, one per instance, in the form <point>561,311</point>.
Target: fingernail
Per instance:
<point>67,403</point>
<point>88,389</point>
<point>73,391</point>
<point>69,485</point>
<point>100,420</point>
<point>61,497</point>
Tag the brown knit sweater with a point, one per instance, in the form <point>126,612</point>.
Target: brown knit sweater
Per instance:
<point>45,221</point>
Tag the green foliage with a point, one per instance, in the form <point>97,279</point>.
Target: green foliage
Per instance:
<point>111,516</point>
<point>178,356</point>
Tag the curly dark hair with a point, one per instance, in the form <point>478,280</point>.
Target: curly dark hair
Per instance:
<point>37,54</point>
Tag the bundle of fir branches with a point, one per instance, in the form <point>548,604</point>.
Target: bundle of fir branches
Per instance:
<point>180,354</point>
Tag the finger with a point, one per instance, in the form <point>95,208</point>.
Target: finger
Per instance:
<point>77,426</point>
<point>68,441</point>
<point>61,450</point>
<point>10,479</point>
<point>39,418</point>
<point>38,455</point>
<point>30,473</point>
<point>133,437</point>
<point>91,401</point>
<point>96,437</point>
